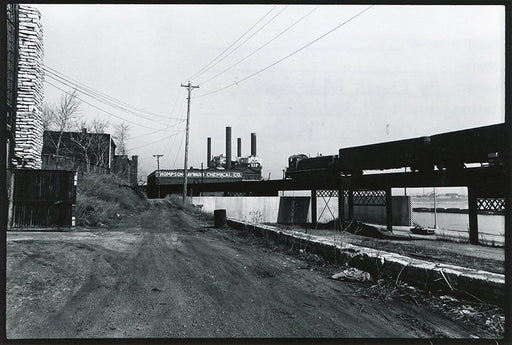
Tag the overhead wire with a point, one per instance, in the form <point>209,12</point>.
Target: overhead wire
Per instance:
<point>100,109</point>
<point>100,94</point>
<point>178,151</point>
<point>261,47</point>
<point>108,103</point>
<point>166,128</point>
<point>248,38</point>
<point>158,140</point>
<point>156,131</point>
<point>167,137</point>
<point>94,98</point>
<point>232,44</point>
<point>287,56</point>
<point>179,148</point>
<point>181,114</point>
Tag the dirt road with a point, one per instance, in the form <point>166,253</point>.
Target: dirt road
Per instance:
<point>172,276</point>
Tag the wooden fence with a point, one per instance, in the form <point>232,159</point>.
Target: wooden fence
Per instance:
<point>43,198</point>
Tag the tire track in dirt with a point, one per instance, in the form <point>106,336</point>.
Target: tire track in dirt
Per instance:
<point>178,281</point>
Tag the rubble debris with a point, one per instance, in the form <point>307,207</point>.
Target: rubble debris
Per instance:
<point>352,274</point>
<point>420,230</point>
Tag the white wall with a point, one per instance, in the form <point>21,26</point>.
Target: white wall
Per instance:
<point>265,209</point>
<point>254,209</point>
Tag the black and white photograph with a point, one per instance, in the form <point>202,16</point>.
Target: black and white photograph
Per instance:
<point>255,171</point>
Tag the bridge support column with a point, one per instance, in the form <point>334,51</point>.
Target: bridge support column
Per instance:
<point>389,210</point>
<point>313,207</point>
<point>473,215</point>
<point>350,205</point>
<point>341,207</point>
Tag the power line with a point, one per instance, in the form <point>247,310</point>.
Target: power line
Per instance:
<point>287,56</point>
<point>189,88</point>
<point>158,169</point>
<point>180,115</point>
<point>99,96</point>
<point>248,38</point>
<point>178,151</point>
<point>158,140</point>
<point>166,128</point>
<point>102,110</point>
<point>261,47</point>
<point>99,99</point>
<point>99,93</point>
<point>158,130</point>
<point>232,44</point>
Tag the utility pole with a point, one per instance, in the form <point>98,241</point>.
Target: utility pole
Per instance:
<point>435,209</point>
<point>189,88</point>
<point>158,170</point>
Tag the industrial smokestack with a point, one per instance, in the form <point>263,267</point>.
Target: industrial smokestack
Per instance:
<point>239,147</point>
<point>228,148</point>
<point>209,152</point>
<point>253,144</point>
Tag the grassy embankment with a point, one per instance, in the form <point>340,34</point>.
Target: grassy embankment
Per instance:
<point>106,201</point>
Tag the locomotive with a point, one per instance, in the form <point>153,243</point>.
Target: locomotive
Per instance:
<point>301,166</point>
<point>449,151</point>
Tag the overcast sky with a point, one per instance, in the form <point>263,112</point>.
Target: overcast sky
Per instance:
<point>391,73</point>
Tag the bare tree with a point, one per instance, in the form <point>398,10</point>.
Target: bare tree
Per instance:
<point>61,117</point>
<point>98,126</point>
<point>101,143</point>
<point>93,145</point>
<point>121,136</point>
<point>48,116</point>
<point>83,141</point>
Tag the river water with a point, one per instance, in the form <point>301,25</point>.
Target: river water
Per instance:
<point>491,228</point>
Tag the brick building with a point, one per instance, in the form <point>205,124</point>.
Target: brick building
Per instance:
<point>87,152</point>
<point>126,168</point>
<point>81,151</point>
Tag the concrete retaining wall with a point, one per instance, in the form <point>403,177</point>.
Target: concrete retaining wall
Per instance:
<point>486,286</point>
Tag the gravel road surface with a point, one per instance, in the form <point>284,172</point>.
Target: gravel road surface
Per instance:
<point>169,275</point>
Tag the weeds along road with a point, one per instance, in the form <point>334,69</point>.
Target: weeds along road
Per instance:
<point>172,276</point>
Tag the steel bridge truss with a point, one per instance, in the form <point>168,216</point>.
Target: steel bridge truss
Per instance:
<point>354,198</point>
<point>490,204</point>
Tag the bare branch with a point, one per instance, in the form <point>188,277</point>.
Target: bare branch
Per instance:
<point>99,126</point>
<point>67,111</point>
<point>48,116</point>
<point>121,136</point>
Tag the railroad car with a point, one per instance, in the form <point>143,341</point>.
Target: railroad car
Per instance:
<point>450,151</point>
<point>486,145</point>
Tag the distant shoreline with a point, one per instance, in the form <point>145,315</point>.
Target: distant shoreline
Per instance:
<point>455,210</point>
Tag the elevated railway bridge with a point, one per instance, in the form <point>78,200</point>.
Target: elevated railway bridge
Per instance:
<point>486,189</point>
<point>439,160</point>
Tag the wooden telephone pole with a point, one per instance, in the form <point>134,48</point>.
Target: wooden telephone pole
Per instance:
<point>158,171</point>
<point>185,172</point>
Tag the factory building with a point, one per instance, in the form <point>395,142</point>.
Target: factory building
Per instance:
<point>220,168</point>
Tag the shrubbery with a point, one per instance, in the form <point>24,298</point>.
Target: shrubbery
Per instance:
<point>102,201</point>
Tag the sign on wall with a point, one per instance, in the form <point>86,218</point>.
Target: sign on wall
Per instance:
<point>199,174</point>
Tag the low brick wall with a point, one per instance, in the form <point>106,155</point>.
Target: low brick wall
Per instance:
<point>487,286</point>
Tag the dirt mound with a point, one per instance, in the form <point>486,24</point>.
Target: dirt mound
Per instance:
<point>104,200</point>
